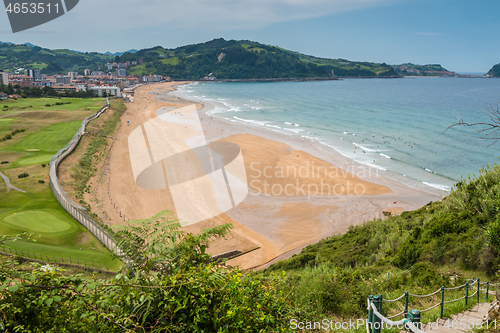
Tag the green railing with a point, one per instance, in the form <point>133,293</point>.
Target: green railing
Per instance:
<point>411,319</point>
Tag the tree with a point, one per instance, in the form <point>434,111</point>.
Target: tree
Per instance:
<point>485,130</point>
<point>171,286</point>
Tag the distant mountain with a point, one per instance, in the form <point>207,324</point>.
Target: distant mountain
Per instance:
<point>494,71</point>
<point>420,70</point>
<point>121,53</point>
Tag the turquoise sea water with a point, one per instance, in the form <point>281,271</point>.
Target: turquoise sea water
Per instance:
<point>397,125</point>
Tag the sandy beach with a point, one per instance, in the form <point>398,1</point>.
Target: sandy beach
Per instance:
<point>297,193</point>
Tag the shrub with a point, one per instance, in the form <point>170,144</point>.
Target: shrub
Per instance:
<point>23,175</point>
<point>7,136</point>
<point>44,165</point>
<point>4,162</point>
<point>41,181</point>
<point>47,105</point>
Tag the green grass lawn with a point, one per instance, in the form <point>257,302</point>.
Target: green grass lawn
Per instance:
<point>41,221</point>
<point>51,138</point>
<point>37,159</point>
<point>59,254</point>
<point>170,61</point>
<point>36,211</point>
<point>5,125</point>
<point>39,104</point>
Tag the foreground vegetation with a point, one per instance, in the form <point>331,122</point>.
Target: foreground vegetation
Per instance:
<point>171,287</point>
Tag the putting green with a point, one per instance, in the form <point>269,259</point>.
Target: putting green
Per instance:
<point>35,160</point>
<point>47,221</point>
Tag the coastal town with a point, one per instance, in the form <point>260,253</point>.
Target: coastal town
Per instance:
<point>109,80</point>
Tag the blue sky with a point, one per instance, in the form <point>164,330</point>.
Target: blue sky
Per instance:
<point>461,35</point>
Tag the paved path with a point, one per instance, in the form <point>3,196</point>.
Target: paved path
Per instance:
<point>462,322</point>
<point>8,184</point>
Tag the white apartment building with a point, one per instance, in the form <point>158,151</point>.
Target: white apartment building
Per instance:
<point>4,78</point>
<point>110,91</point>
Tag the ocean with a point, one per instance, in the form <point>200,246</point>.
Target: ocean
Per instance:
<point>396,126</point>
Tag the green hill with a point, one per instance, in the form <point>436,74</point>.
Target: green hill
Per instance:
<point>494,71</point>
<point>244,59</point>
<point>420,70</point>
<point>218,58</point>
<point>14,56</point>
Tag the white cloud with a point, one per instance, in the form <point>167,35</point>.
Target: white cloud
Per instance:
<point>212,14</point>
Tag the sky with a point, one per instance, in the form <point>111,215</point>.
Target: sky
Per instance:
<point>461,35</point>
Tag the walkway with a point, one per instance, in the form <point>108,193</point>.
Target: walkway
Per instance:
<point>8,184</point>
<point>462,322</point>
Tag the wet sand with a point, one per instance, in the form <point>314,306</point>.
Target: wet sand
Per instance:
<point>298,193</point>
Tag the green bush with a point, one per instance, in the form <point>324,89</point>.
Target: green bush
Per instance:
<point>4,162</point>
<point>172,287</point>
<point>23,175</point>
<point>41,181</point>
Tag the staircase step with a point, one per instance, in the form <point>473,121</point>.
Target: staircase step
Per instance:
<point>471,319</point>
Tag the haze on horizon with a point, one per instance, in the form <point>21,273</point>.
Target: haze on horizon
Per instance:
<point>461,35</point>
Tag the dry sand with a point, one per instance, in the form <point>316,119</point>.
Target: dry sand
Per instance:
<point>298,193</point>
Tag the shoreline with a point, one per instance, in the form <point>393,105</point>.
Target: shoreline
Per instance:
<point>328,150</point>
<point>411,198</point>
<point>272,225</point>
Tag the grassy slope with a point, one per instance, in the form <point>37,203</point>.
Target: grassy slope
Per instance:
<point>48,129</point>
<point>459,235</point>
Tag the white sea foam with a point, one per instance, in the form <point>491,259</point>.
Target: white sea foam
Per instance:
<point>438,186</point>
<point>256,122</point>
<point>294,130</point>
<point>384,155</point>
<point>376,167</point>
<point>364,148</point>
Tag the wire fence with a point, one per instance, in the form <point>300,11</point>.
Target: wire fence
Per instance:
<point>69,262</point>
<point>76,211</point>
